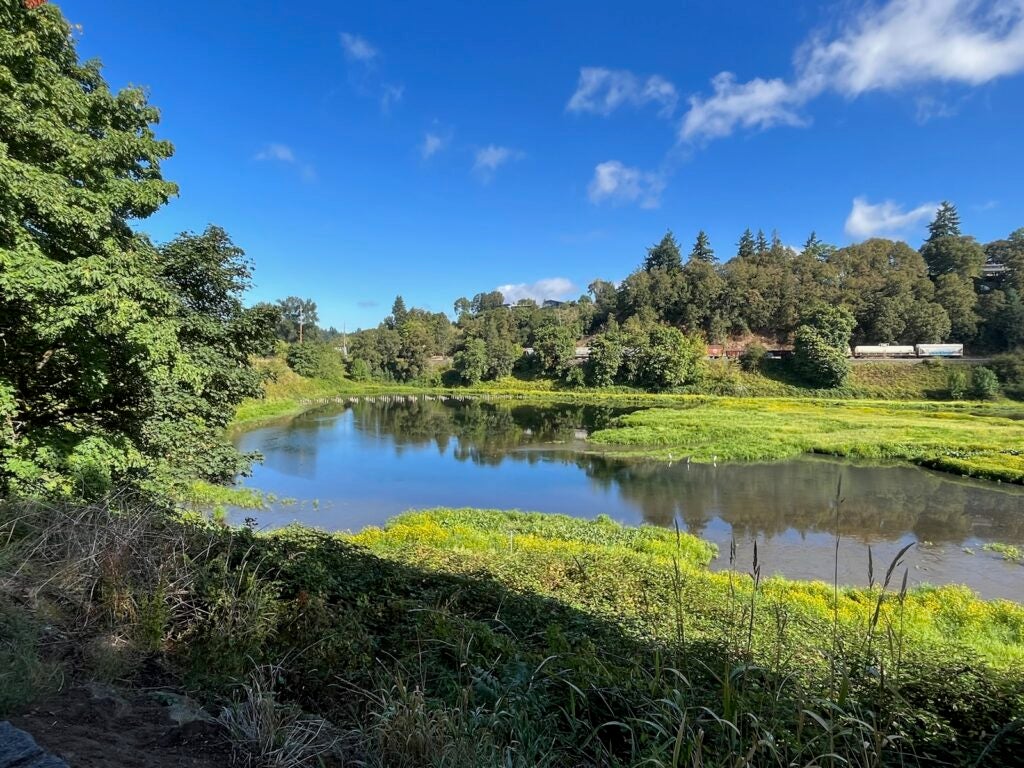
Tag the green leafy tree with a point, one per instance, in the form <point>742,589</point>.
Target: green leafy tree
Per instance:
<point>822,344</point>
<point>297,316</point>
<point>470,362</point>
<point>956,295</point>
<point>605,359</point>
<point>93,371</point>
<point>555,347</point>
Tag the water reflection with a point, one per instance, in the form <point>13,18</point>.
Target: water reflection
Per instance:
<point>367,462</point>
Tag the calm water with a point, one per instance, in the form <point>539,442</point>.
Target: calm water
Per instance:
<point>367,462</point>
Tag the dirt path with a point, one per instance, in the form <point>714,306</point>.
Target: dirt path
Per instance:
<point>97,726</point>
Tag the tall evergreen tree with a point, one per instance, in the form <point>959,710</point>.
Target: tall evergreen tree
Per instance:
<point>761,246</point>
<point>946,222</point>
<point>702,250</point>
<point>745,247</point>
<point>665,255</point>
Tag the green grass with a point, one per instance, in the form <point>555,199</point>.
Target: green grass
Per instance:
<point>487,638</point>
<point>979,440</point>
<point>1009,552</point>
<point>287,393</point>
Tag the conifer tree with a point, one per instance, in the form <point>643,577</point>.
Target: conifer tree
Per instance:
<point>702,250</point>
<point>745,247</point>
<point>664,255</point>
<point>761,246</point>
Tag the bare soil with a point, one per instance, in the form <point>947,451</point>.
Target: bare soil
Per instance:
<point>98,726</point>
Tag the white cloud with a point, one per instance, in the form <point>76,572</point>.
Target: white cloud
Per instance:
<point>602,91</point>
<point>432,144</point>
<point>901,44</point>
<point>390,95</point>
<point>540,291</point>
<point>618,183</point>
<point>885,218</point>
<point>755,104</point>
<point>357,48</point>
<point>488,159</point>
<point>282,153</point>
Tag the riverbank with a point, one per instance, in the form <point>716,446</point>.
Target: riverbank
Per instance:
<point>983,440</point>
<point>288,393</point>
<point>977,440</point>
<point>467,637</point>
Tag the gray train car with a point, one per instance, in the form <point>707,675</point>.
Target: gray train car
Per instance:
<point>940,350</point>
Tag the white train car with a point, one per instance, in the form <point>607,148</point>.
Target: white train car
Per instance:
<point>884,350</point>
<point>940,350</point>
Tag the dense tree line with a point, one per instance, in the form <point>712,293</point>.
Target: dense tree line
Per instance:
<point>645,331</point>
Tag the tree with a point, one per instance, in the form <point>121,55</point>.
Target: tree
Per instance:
<point>470,362</point>
<point>946,222</point>
<point>956,295</point>
<point>296,314</point>
<point>761,245</point>
<point>665,255</point>
<point>398,312</point>
<point>605,357</point>
<point>822,344</point>
<point>984,383</point>
<point>702,249</point>
<point>484,302</point>
<point>462,307</point>
<point>745,248</point>
<point>88,327</point>
<point>555,347</point>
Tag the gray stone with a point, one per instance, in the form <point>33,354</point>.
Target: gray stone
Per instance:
<point>19,750</point>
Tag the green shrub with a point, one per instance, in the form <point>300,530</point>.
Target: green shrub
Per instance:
<point>314,360</point>
<point>752,356</point>
<point>984,384</point>
<point>1010,370</point>
<point>818,362</point>
<point>956,383</point>
<point>359,370</point>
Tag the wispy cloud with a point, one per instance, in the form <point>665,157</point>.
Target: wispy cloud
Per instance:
<point>365,73</point>
<point>489,159</point>
<point>282,153</point>
<point>367,304</point>
<point>616,182</point>
<point>358,48</point>
<point>885,218</point>
<point>900,44</point>
<point>601,91</point>
<point>432,144</point>
<point>391,94</point>
<point>540,291</point>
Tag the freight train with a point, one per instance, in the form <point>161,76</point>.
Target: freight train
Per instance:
<point>916,350</point>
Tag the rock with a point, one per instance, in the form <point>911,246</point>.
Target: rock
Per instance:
<point>19,750</point>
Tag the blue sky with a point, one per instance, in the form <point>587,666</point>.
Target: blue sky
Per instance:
<point>360,150</point>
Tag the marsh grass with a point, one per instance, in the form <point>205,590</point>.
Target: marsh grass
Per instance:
<point>981,442</point>
<point>474,638</point>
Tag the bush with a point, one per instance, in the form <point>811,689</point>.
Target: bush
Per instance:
<point>984,384</point>
<point>956,383</point>
<point>314,360</point>
<point>753,356</point>
<point>818,362</point>
<point>1009,368</point>
<point>359,370</point>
